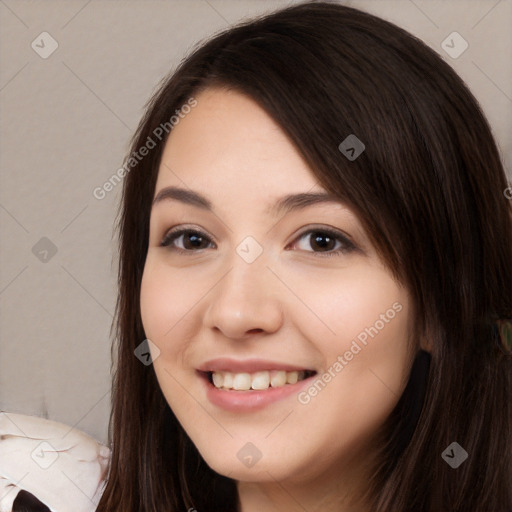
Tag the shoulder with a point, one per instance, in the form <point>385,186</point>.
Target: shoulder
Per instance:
<point>56,463</point>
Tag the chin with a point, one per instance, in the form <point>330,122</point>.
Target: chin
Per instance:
<point>244,462</point>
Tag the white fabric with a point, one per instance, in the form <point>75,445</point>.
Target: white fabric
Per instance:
<point>63,467</point>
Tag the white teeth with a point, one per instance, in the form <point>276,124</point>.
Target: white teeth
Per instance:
<point>257,380</point>
<point>218,379</point>
<point>242,381</point>
<point>260,380</point>
<point>277,378</point>
<point>228,380</point>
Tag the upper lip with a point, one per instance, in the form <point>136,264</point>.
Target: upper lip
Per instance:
<point>227,364</point>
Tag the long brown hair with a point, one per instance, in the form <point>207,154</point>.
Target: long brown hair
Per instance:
<point>429,190</point>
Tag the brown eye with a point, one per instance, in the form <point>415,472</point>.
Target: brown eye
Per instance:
<point>327,241</point>
<point>191,240</point>
<point>323,241</point>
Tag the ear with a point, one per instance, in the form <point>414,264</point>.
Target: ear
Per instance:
<point>426,344</point>
<point>425,337</point>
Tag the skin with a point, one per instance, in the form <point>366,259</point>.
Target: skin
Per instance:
<point>292,304</point>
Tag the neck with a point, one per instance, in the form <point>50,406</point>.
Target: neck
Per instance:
<point>333,491</point>
<point>277,496</point>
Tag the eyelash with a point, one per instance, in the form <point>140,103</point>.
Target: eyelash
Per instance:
<point>347,245</point>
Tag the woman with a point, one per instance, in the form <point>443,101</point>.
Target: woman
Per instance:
<point>315,252</point>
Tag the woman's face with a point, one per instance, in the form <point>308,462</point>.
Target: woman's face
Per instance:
<point>240,291</point>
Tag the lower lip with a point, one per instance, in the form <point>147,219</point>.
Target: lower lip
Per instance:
<point>251,400</point>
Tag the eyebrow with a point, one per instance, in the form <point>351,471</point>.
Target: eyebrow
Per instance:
<point>285,204</point>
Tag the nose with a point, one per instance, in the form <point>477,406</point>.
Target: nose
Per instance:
<point>245,302</point>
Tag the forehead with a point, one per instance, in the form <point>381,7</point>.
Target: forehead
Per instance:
<point>228,139</point>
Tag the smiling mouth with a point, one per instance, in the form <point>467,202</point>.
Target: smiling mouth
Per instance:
<point>256,381</point>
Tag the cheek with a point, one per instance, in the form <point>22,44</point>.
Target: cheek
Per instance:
<point>156,305</point>
<point>166,298</point>
<point>366,347</point>
<point>363,304</point>
<point>171,303</point>
<point>167,302</point>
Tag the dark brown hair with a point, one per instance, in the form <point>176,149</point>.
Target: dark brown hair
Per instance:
<point>429,191</point>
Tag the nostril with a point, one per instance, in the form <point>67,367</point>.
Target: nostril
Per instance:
<point>255,331</point>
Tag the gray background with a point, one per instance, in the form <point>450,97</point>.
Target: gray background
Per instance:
<point>65,125</point>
